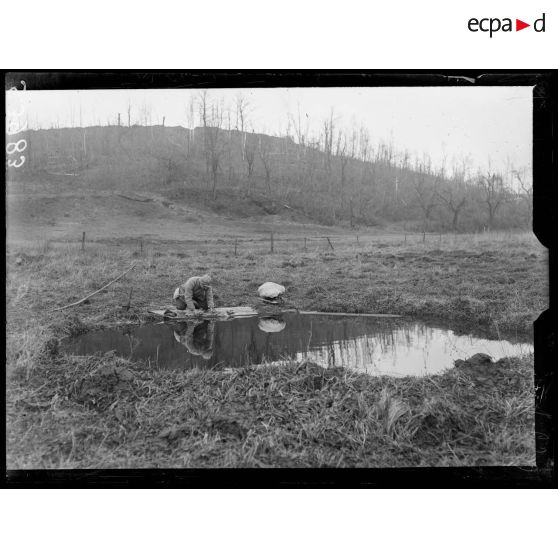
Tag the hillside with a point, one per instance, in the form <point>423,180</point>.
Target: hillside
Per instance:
<point>144,176</point>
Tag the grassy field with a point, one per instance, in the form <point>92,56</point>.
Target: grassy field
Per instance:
<point>102,411</point>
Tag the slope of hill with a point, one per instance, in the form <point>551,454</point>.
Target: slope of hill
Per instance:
<point>119,178</point>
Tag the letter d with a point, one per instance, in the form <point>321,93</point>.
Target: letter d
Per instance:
<point>535,25</point>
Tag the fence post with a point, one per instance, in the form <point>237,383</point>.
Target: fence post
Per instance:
<point>129,305</point>
<point>305,244</point>
<point>83,241</point>
<point>423,236</point>
<point>331,245</point>
<point>141,246</point>
<point>272,242</point>
<point>235,244</point>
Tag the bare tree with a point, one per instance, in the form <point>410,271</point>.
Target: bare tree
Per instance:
<point>405,160</point>
<point>191,124</point>
<point>300,130</point>
<point>230,171</point>
<point>242,112</point>
<point>213,144</point>
<point>328,126</point>
<point>364,145</point>
<point>284,153</point>
<point>455,195</point>
<point>211,118</point>
<point>308,167</point>
<point>494,194</point>
<point>203,102</point>
<point>385,153</point>
<point>342,153</point>
<point>249,156</point>
<point>525,192</point>
<point>425,194</point>
<point>264,150</point>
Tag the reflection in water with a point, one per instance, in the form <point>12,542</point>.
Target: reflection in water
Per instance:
<point>271,324</point>
<point>375,346</point>
<point>197,337</point>
<point>414,349</point>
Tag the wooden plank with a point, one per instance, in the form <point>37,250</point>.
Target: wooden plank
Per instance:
<point>216,311</point>
<point>223,313</point>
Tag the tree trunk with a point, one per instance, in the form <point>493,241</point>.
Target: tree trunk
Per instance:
<point>490,217</point>
<point>455,218</point>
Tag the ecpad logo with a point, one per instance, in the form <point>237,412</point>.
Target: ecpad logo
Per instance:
<point>493,25</point>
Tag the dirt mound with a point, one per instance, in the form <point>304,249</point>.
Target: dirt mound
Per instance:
<point>479,362</point>
<point>104,387</point>
<point>483,373</point>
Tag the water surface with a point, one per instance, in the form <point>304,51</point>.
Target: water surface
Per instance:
<point>372,345</point>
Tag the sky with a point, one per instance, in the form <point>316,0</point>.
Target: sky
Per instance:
<point>488,126</point>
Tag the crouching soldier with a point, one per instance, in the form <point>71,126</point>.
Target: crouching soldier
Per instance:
<point>195,294</point>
